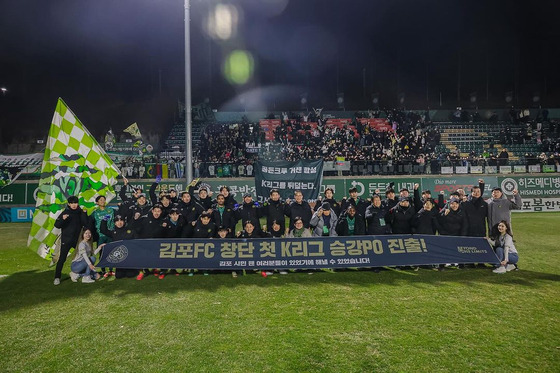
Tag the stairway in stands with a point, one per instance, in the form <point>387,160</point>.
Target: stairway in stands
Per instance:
<point>479,136</point>
<point>176,138</point>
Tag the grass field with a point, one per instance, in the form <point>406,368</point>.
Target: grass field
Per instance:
<point>352,321</point>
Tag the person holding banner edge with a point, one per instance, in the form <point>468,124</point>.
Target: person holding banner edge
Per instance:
<point>502,241</point>
<point>83,263</point>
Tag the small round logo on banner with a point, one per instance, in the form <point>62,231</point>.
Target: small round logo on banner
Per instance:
<point>118,254</point>
<point>204,185</point>
<point>508,185</point>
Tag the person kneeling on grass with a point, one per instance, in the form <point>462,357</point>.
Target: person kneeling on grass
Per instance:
<point>502,241</point>
<point>83,264</point>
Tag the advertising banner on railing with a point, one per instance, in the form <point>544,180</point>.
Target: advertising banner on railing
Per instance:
<point>531,186</point>
<point>297,253</point>
<point>536,186</point>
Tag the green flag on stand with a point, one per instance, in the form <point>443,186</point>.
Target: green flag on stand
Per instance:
<point>74,164</point>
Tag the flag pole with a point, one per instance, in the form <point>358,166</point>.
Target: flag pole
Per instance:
<point>188,105</point>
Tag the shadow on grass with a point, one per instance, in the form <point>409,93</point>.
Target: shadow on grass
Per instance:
<point>31,288</point>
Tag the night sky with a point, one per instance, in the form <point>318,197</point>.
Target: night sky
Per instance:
<point>115,62</point>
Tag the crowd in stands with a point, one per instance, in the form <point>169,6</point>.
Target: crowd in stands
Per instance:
<point>195,214</point>
<point>412,142</point>
<point>413,145</point>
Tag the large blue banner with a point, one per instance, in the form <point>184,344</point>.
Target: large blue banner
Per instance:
<point>293,253</point>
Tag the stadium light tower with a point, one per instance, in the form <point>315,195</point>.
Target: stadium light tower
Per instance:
<point>4,91</point>
<point>188,104</point>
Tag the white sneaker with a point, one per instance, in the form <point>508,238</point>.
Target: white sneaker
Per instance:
<point>87,280</point>
<point>283,272</point>
<point>511,267</point>
<point>268,273</point>
<point>500,269</point>
<point>74,276</point>
<point>56,281</point>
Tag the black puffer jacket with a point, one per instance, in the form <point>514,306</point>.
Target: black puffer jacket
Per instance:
<point>424,222</point>
<point>302,210</point>
<point>149,227</point>
<point>476,210</point>
<point>117,234</point>
<point>274,210</point>
<point>376,218</point>
<point>400,219</point>
<point>452,224</point>
<point>72,225</point>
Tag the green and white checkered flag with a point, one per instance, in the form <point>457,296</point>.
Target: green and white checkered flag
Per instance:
<point>73,165</point>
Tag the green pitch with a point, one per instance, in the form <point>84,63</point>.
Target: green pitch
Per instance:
<point>352,321</point>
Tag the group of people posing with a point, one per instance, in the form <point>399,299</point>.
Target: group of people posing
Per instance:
<point>186,215</point>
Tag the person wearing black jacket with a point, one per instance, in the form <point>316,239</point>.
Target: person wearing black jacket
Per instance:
<point>229,200</point>
<point>127,202</point>
<point>189,209</point>
<point>204,198</point>
<point>141,207</point>
<point>173,224</point>
<point>299,208</point>
<point>427,195</point>
<point>70,222</point>
<point>390,200</point>
<point>350,223</point>
<point>120,232</point>
<point>452,221</point>
<point>149,226</point>
<point>204,227</point>
<point>274,210</point>
<point>400,217</point>
<point>476,211</point>
<point>329,197</point>
<point>224,215</point>
<point>424,221</point>
<point>164,199</point>
<point>376,217</point>
<point>249,210</point>
<point>360,204</point>
<point>250,231</point>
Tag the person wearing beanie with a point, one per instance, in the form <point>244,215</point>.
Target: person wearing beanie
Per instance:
<point>323,222</point>
<point>328,196</point>
<point>400,217</point>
